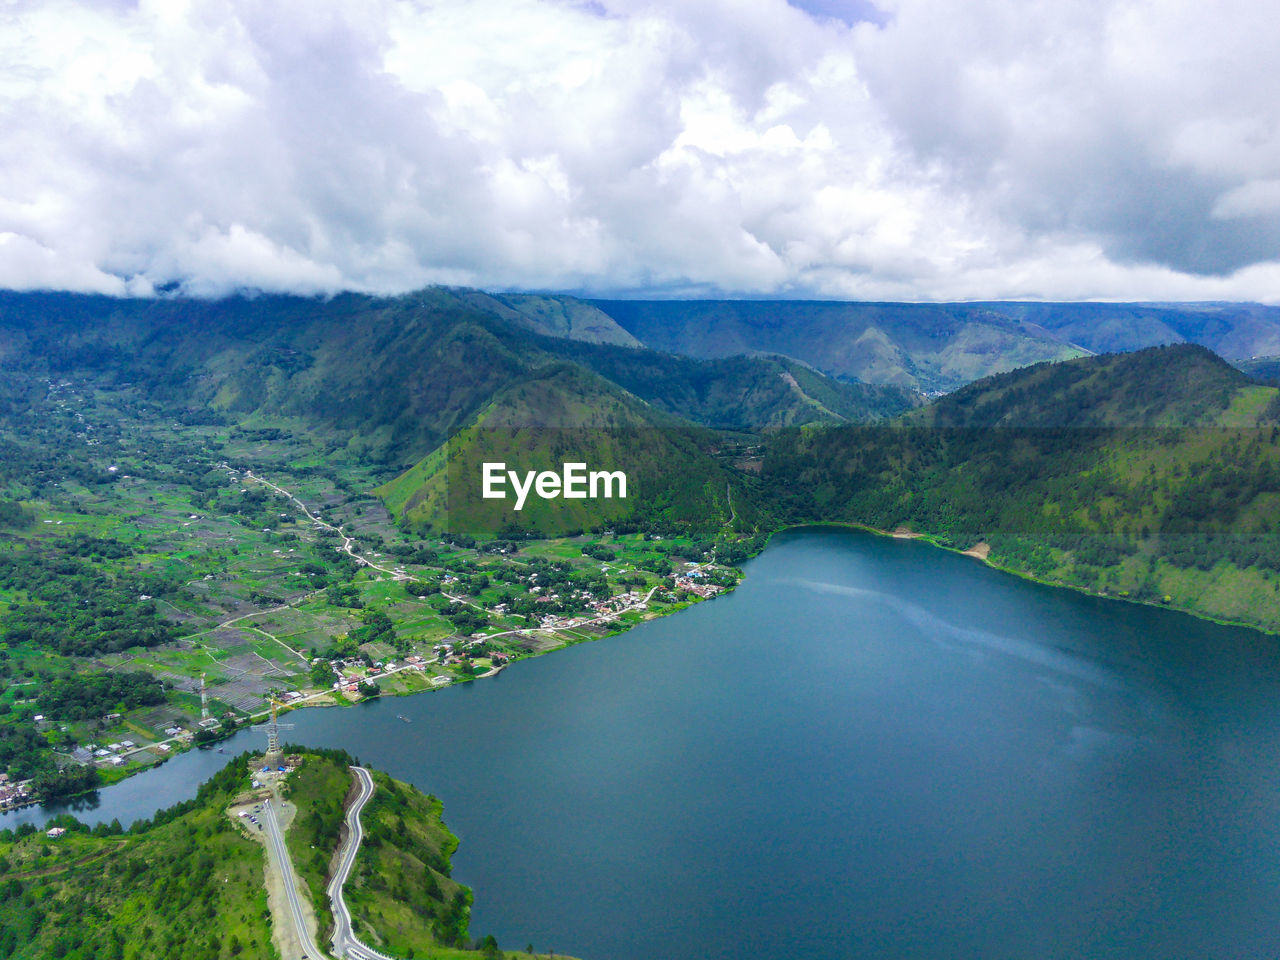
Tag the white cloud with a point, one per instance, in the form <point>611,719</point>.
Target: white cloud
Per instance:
<point>995,148</point>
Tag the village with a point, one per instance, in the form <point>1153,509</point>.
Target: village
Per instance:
<point>294,589</point>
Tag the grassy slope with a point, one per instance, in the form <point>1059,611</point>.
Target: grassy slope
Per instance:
<point>190,887</point>
<point>563,317</point>
<point>1153,475</point>
<point>565,414</point>
<point>318,789</point>
<point>401,896</point>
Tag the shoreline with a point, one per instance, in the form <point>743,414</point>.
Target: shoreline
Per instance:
<point>325,699</point>
<point>974,552</point>
<point>979,551</point>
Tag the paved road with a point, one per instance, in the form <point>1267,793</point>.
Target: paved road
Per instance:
<point>284,864</point>
<point>345,943</point>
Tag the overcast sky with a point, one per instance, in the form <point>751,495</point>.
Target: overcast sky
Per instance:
<point>914,149</point>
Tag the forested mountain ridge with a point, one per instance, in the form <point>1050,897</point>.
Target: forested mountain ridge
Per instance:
<point>556,316</point>
<point>390,378</point>
<point>741,393</point>
<point>1154,475</point>
<point>386,382</point>
<point>1180,385</point>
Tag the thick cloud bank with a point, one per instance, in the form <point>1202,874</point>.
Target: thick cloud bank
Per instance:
<point>924,149</point>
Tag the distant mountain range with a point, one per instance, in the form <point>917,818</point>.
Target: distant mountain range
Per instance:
<point>391,381</point>
<point>938,347</point>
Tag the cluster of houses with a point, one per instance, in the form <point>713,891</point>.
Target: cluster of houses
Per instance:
<point>448,653</point>
<point>454,653</point>
<point>352,671</point>
<point>692,581</point>
<point>618,604</point>
<point>13,794</point>
<point>112,753</point>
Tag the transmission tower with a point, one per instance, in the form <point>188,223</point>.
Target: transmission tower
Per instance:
<point>273,729</point>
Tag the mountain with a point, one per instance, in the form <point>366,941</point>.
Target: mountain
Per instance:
<point>1154,475</point>
<point>555,316</point>
<point>560,414</point>
<point>926,347</point>
<point>741,393</point>
<point>391,378</point>
<point>1174,386</point>
<point>1235,331</point>
<point>1262,369</point>
<point>937,347</point>
<point>387,382</point>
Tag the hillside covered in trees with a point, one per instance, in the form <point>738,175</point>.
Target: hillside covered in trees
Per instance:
<point>1153,475</point>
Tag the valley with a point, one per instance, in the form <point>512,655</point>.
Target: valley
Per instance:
<point>197,526</point>
<point>221,587</point>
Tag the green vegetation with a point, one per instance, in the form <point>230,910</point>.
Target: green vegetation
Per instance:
<point>227,501</point>
<point>76,607</point>
<point>86,696</point>
<point>401,895</point>
<point>924,347</point>
<point>564,414</point>
<point>1263,369</point>
<point>189,883</point>
<point>745,393</point>
<point>400,892</point>
<point>1153,475</point>
<point>186,884</point>
<point>318,789</point>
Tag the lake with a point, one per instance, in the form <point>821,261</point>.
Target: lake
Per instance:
<point>872,749</point>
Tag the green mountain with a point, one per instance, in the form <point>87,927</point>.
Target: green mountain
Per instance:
<point>1153,475</point>
<point>388,382</point>
<point>563,413</point>
<point>741,393</point>
<point>389,378</point>
<point>1163,386</point>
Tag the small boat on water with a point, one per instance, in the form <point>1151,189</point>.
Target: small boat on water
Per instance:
<point>401,716</point>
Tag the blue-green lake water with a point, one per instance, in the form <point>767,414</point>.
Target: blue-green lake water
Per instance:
<point>872,749</point>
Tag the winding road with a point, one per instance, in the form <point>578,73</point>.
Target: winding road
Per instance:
<point>279,853</point>
<point>345,943</point>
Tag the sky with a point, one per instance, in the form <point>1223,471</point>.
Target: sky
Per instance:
<point>902,150</point>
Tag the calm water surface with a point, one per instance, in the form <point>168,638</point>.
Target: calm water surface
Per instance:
<point>872,749</point>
